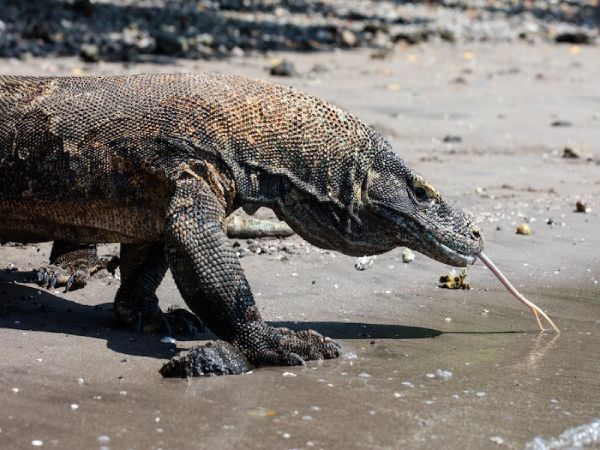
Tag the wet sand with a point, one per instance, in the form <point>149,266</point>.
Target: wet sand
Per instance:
<point>423,367</point>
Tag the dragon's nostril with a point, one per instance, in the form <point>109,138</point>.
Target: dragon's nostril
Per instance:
<point>475,232</point>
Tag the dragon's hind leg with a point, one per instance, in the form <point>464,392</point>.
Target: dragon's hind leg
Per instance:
<point>143,267</point>
<point>72,264</point>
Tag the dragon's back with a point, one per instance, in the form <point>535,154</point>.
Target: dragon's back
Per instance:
<point>111,140</point>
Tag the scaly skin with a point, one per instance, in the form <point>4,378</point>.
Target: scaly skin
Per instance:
<point>72,264</point>
<point>157,162</point>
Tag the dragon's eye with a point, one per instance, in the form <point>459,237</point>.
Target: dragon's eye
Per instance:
<point>421,194</point>
<point>423,191</point>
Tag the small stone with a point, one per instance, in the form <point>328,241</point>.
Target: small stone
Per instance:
<point>574,152</point>
<point>168,43</point>
<point>320,68</point>
<point>364,262</point>
<point>348,38</point>
<point>443,374</point>
<point>74,407</point>
<point>582,207</point>
<point>168,340</point>
<point>237,52</point>
<point>497,440</point>
<point>452,139</point>
<point>408,256</point>
<point>561,123</point>
<point>89,53</point>
<point>283,68</point>
<point>523,229</point>
<point>574,37</point>
<point>37,443</point>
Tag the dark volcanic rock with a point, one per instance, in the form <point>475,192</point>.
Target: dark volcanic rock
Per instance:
<point>575,37</point>
<point>214,358</point>
<point>89,53</point>
<point>127,30</point>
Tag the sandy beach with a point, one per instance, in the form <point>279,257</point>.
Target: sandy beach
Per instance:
<point>422,367</point>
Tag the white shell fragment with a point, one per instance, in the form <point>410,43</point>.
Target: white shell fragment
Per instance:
<point>364,262</point>
<point>408,256</point>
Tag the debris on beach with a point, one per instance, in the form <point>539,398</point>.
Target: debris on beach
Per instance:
<point>364,262</point>
<point>573,152</point>
<point>582,207</point>
<point>116,30</point>
<point>452,139</point>
<point>408,256</point>
<point>454,280</point>
<point>523,229</point>
<point>283,68</point>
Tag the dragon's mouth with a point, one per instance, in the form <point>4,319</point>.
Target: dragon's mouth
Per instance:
<point>456,258</point>
<point>443,253</point>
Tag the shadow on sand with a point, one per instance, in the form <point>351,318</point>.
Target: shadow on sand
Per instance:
<point>29,308</point>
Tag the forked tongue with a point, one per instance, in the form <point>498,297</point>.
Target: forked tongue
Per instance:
<point>507,284</point>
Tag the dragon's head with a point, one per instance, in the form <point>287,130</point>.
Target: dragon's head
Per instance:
<point>400,208</point>
<point>391,206</point>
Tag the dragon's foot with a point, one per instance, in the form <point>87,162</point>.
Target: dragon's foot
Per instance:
<point>183,322</point>
<point>73,271</point>
<point>214,358</point>
<point>265,345</point>
<point>53,275</point>
<point>147,316</point>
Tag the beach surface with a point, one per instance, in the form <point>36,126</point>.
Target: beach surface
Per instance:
<point>422,367</point>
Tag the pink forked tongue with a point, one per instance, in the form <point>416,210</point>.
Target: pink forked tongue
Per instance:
<point>507,284</point>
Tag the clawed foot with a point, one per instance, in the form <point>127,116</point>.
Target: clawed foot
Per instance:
<point>73,275</point>
<point>53,276</point>
<point>183,322</point>
<point>149,318</point>
<point>265,345</point>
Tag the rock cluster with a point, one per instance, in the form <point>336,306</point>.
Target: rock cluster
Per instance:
<point>128,30</point>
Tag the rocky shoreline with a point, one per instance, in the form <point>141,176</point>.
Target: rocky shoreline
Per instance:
<point>132,30</point>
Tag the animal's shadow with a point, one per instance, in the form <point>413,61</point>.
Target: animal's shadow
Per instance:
<point>30,308</point>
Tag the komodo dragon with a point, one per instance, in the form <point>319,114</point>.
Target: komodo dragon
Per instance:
<point>157,162</point>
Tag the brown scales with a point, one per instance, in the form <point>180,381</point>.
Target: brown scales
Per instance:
<point>157,162</point>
